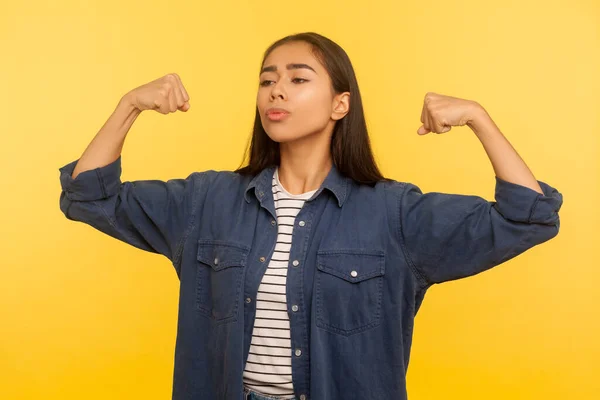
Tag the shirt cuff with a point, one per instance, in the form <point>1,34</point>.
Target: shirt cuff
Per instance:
<point>523,204</point>
<point>94,184</point>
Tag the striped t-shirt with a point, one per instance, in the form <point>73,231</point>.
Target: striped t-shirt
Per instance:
<point>268,369</point>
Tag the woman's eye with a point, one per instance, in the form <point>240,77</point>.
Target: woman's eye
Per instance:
<point>266,82</point>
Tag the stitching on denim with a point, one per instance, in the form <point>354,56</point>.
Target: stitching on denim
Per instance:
<point>101,180</point>
<point>308,215</point>
<point>319,301</point>
<point>533,209</point>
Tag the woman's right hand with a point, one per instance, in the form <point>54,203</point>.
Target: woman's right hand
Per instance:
<point>165,95</point>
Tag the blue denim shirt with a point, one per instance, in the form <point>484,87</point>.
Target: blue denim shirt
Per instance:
<point>366,256</point>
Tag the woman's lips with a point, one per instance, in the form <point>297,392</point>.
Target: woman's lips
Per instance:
<point>277,115</point>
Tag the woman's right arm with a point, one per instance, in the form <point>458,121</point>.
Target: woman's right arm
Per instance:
<point>164,95</point>
<point>108,143</point>
<point>152,215</point>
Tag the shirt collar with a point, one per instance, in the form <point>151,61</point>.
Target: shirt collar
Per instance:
<point>335,182</point>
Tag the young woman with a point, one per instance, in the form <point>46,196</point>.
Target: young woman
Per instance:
<point>302,272</point>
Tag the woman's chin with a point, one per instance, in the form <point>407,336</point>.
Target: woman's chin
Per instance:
<point>283,137</point>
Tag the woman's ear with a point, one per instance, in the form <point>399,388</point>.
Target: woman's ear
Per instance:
<point>341,105</point>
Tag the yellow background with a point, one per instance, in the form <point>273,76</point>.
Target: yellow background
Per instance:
<point>84,316</point>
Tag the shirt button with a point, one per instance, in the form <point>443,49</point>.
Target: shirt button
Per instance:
<point>273,222</point>
<point>295,263</point>
<point>301,223</point>
<point>298,352</point>
<point>302,397</point>
<point>216,261</point>
<point>294,307</point>
<point>248,299</point>
<point>262,259</point>
<point>354,273</point>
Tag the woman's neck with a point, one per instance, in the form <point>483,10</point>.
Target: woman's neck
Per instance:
<point>303,166</point>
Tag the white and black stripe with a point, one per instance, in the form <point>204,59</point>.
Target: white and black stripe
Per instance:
<point>268,369</point>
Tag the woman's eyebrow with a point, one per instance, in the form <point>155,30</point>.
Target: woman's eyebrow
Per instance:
<point>273,68</point>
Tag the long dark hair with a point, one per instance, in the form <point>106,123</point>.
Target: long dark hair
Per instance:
<point>350,146</point>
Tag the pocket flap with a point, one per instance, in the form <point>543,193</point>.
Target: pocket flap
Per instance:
<point>352,265</point>
<point>220,254</point>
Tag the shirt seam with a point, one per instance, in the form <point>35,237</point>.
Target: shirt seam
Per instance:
<point>535,203</point>
<point>420,278</point>
<point>190,226</point>
<point>101,181</point>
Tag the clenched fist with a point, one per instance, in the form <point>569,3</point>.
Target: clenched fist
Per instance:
<point>440,113</point>
<point>165,95</point>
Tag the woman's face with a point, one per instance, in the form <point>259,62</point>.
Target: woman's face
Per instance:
<point>293,80</point>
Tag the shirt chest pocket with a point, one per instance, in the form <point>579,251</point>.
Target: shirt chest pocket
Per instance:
<point>219,275</point>
<point>348,290</point>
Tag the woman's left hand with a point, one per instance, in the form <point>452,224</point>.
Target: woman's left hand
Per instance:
<point>440,113</point>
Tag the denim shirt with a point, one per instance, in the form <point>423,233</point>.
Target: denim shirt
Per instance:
<point>361,260</point>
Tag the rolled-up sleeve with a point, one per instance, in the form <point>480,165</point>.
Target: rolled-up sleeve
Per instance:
<point>152,215</point>
<point>452,236</point>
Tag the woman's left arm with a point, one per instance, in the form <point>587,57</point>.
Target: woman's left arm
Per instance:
<point>441,112</point>
<point>448,236</point>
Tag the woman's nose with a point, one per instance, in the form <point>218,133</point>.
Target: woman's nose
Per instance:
<point>277,91</point>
